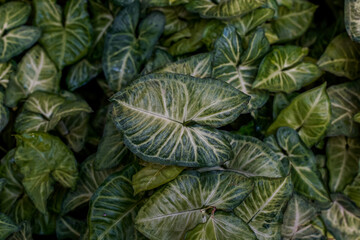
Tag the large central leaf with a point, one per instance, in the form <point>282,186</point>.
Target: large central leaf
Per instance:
<point>162,115</point>
<point>65,40</point>
<point>181,205</point>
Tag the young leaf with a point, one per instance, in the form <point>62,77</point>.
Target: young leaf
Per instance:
<point>283,70</point>
<point>262,209</point>
<point>153,176</point>
<point>44,159</point>
<point>7,226</point>
<point>66,36</point>
<point>297,217</point>
<point>113,207</point>
<point>184,201</point>
<point>254,157</point>
<point>345,103</point>
<point>341,57</point>
<point>343,156</point>
<point>304,173</point>
<point>352,19</point>
<point>169,130</point>
<point>309,113</point>
<point>342,219</point>
<point>222,226</point>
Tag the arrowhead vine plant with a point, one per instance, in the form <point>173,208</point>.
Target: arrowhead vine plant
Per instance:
<point>180,119</point>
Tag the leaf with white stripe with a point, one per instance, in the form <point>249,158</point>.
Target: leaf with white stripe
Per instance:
<point>113,207</point>
<point>222,226</point>
<point>66,36</point>
<point>239,68</point>
<point>352,19</point>
<point>175,17</point>
<point>353,190</point>
<point>342,219</point>
<point>13,14</point>
<point>304,173</point>
<point>262,209</point>
<point>182,203</point>
<point>197,66</point>
<point>111,149</point>
<point>309,113</point>
<point>343,156</point>
<point>159,59</point>
<point>7,226</point>
<point>81,73</point>
<point>283,70</point>
<point>341,57</point>
<point>44,159</point>
<point>128,43</point>
<point>223,9</point>
<point>171,118</point>
<point>75,130</point>
<point>6,69</point>
<point>254,158</point>
<point>69,228</point>
<point>297,217</point>
<point>345,104</point>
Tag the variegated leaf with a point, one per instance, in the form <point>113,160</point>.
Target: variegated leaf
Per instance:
<point>262,209</point>
<point>309,113</point>
<point>184,201</point>
<point>175,19</point>
<point>13,14</point>
<point>66,36</point>
<point>343,156</point>
<point>345,103</point>
<point>352,19</point>
<point>175,128</point>
<point>75,130</point>
<point>353,190</point>
<point>6,69</point>
<point>159,59</point>
<point>237,67</point>
<point>304,173</point>
<point>341,57</point>
<point>81,73</point>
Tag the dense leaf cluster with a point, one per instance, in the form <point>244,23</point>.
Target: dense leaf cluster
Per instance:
<point>179,119</point>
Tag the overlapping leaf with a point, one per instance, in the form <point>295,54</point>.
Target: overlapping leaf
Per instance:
<point>81,73</point>
<point>7,226</point>
<point>352,19</point>
<point>353,190</point>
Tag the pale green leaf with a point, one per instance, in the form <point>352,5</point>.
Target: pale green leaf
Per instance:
<point>304,173</point>
<point>153,176</point>
<point>239,68</point>
<point>181,204</point>
<point>309,113</point>
<point>341,57</point>
<point>174,17</point>
<point>223,9</point>
<point>113,207</point>
<point>7,226</point>
<point>283,70</point>
<point>343,156</point>
<point>69,228</point>
<point>357,117</point>
<point>342,219</point>
<point>352,19</point>
<point>178,127</point>
<point>89,180</point>
<point>66,36</point>
<point>353,190</point>
<point>254,158</point>
<point>81,73</point>
<point>222,226</point>
<point>262,209</point>
<point>44,159</point>
<point>297,217</point>
<point>165,3</point>
<point>345,104</point>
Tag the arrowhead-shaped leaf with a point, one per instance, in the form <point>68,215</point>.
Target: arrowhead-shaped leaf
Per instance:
<point>309,113</point>
<point>177,126</point>
<point>184,202</point>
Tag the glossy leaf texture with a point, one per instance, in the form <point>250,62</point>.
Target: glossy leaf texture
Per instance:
<point>304,173</point>
<point>44,159</point>
<point>238,67</point>
<point>113,207</point>
<point>297,220</point>
<point>309,113</point>
<point>128,43</point>
<point>184,129</point>
<point>222,225</point>
<point>66,34</point>
<point>345,104</point>
<point>89,180</point>
<point>252,157</point>
<point>181,204</point>
<point>262,209</point>
<point>343,156</point>
<point>283,70</point>
<point>153,176</point>
<point>343,218</point>
<point>341,58</point>
<point>352,19</point>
